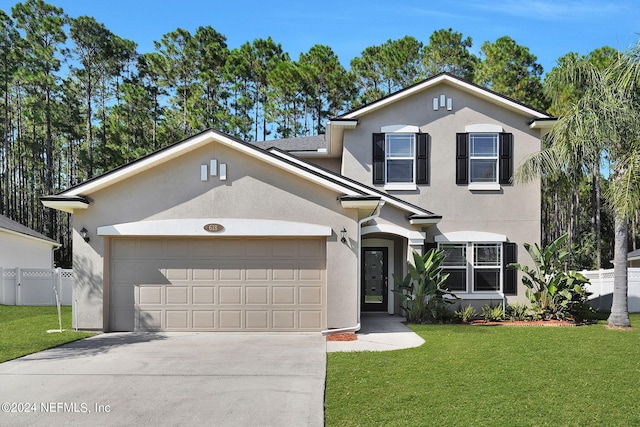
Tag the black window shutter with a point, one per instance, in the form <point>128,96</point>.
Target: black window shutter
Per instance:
<point>422,159</point>
<point>462,158</point>
<point>510,279</point>
<point>378,158</point>
<point>506,158</point>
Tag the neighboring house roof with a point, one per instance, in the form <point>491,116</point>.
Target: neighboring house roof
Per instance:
<point>633,255</point>
<point>11,226</point>
<point>76,197</point>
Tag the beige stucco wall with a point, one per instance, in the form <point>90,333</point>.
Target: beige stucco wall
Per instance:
<point>513,211</point>
<point>24,252</point>
<point>253,190</point>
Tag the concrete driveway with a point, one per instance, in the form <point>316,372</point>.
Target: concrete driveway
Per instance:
<point>218,379</point>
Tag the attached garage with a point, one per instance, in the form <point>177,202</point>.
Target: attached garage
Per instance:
<point>217,284</point>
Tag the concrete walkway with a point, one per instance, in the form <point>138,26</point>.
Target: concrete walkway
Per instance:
<point>169,379</point>
<point>379,332</point>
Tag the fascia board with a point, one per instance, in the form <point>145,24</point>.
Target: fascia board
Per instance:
<point>26,236</point>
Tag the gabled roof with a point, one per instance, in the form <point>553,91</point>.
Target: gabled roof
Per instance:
<point>78,197</point>
<point>13,227</point>
<point>335,127</point>
<point>451,80</point>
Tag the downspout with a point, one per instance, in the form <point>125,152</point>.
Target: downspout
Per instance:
<point>356,328</point>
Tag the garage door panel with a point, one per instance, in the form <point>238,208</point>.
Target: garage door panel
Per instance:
<point>230,295</point>
<point>177,294</point>
<point>230,319</point>
<point>284,295</point>
<point>310,295</point>
<point>203,295</point>
<point>230,272</point>
<point>310,320</point>
<point>176,319</point>
<point>204,319</point>
<point>257,319</point>
<point>257,295</point>
<point>149,295</point>
<point>218,284</point>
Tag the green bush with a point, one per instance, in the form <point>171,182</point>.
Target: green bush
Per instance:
<point>518,312</point>
<point>492,313</point>
<point>466,314</point>
<point>423,295</point>
<point>553,292</point>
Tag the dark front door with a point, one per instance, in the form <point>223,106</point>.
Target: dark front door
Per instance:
<point>374,279</point>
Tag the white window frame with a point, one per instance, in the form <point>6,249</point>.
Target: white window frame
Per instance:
<point>485,185</point>
<point>471,267</point>
<point>408,185</point>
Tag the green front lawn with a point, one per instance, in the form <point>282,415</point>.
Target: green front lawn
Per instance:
<point>492,375</point>
<point>23,330</point>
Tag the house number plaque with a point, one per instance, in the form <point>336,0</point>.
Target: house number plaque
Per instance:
<point>213,228</point>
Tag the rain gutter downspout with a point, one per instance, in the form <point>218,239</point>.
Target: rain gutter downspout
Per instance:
<point>356,328</point>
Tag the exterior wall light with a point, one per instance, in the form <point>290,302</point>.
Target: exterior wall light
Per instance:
<point>343,234</point>
<point>85,234</point>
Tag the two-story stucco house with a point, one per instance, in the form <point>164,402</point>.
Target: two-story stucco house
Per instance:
<point>216,234</point>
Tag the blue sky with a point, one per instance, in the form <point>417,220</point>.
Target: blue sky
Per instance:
<point>548,28</point>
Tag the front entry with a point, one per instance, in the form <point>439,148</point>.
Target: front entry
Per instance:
<point>374,279</point>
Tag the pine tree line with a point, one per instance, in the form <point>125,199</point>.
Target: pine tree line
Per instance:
<point>77,100</point>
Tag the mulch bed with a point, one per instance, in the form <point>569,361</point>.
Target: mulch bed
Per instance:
<point>342,337</point>
<point>557,323</point>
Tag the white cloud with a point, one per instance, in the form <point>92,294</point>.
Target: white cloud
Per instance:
<point>553,10</point>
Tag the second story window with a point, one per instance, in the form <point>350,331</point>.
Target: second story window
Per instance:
<point>400,158</point>
<point>483,157</point>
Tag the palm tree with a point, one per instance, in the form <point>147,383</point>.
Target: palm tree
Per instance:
<point>603,121</point>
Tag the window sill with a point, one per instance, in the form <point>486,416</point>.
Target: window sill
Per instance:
<point>479,295</point>
<point>400,187</point>
<point>484,186</point>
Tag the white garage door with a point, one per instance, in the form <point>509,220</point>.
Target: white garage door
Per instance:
<point>217,284</point>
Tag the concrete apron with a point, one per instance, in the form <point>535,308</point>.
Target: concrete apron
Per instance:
<point>222,379</point>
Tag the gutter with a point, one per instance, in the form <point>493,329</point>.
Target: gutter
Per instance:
<point>374,214</point>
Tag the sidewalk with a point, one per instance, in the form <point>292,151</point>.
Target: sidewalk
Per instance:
<point>379,332</point>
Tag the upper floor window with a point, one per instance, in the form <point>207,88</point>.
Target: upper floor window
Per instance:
<point>484,160</point>
<point>400,160</point>
<point>483,157</point>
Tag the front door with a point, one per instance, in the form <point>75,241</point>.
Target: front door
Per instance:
<point>374,279</point>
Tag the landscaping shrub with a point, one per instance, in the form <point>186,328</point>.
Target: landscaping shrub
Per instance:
<point>423,295</point>
<point>553,292</point>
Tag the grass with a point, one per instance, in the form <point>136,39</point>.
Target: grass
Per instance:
<point>23,330</point>
<point>482,375</point>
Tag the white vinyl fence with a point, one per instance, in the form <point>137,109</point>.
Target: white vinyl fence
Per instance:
<point>35,286</point>
<point>602,288</point>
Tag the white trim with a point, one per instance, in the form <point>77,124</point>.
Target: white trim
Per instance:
<point>232,227</point>
<point>26,236</point>
<point>480,295</point>
<point>470,236</point>
<point>483,186</point>
<point>400,186</point>
<point>65,205</point>
<point>400,129</point>
<point>416,238</point>
<point>483,128</point>
<point>444,78</point>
